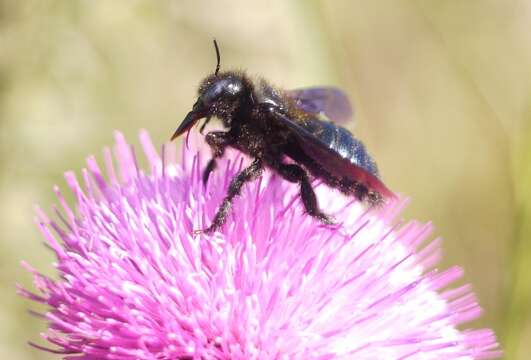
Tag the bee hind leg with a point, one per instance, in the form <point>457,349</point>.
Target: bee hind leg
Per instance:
<point>295,173</point>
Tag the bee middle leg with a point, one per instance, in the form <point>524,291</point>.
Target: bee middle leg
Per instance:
<point>248,174</point>
<point>218,141</point>
<point>295,173</point>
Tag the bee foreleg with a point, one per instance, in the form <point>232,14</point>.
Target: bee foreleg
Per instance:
<point>218,141</point>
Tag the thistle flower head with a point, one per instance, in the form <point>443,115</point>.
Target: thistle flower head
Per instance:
<point>272,283</point>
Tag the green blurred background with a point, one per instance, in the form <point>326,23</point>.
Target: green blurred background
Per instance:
<point>442,91</point>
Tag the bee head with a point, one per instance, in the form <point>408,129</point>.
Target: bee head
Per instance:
<point>220,95</point>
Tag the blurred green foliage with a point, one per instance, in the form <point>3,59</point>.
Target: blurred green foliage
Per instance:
<point>442,93</point>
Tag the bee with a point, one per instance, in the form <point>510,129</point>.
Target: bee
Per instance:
<point>286,132</point>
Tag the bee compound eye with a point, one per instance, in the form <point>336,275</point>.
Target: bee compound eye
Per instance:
<point>233,88</point>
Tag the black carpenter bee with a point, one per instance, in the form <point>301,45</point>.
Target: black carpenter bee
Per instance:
<point>284,131</point>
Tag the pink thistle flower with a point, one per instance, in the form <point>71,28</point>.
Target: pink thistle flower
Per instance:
<point>273,283</point>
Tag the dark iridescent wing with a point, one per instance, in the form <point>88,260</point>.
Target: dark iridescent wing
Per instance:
<point>330,101</point>
<point>336,150</point>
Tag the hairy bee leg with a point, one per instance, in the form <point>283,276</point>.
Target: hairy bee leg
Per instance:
<point>295,173</point>
<point>218,141</point>
<point>208,169</point>
<point>248,174</point>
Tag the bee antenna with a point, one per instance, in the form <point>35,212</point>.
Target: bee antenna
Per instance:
<point>217,56</point>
